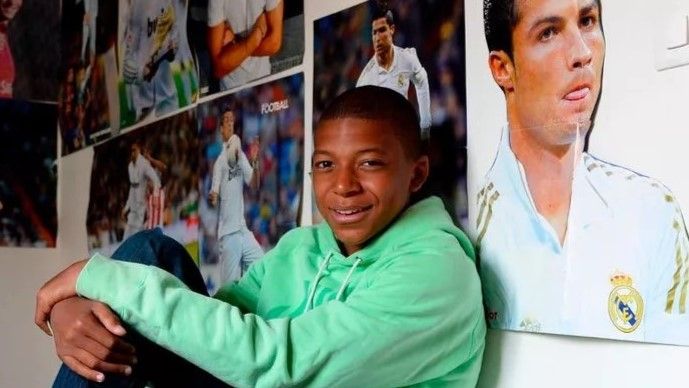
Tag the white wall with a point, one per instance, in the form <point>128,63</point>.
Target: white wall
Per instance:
<point>512,359</point>
<point>643,124</point>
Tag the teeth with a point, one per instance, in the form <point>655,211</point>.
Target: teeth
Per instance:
<point>348,211</point>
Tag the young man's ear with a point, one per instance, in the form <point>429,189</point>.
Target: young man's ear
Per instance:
<point>419,174</point>
<point>502,69</point>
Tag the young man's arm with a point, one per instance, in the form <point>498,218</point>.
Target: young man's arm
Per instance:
<point>423,94</point>
<point>216,178</point>
<point>415,321</point>
<point>272,42</point>
<point>227,52</point>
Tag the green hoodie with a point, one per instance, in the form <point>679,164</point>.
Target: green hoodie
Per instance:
<point>405,310</point>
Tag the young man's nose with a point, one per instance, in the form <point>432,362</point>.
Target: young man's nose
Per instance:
<point>346,182</point>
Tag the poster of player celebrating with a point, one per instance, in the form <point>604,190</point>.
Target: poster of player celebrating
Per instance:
<point>145,179</point>
<point>156,70</point>
<point>417,49</point>
<point>88,88</point>
<point>250,174</point>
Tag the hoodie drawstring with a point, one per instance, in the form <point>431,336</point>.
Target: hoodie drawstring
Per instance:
<point>345,282</point>
<point>319,275</point>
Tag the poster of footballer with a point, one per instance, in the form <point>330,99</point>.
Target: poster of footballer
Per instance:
<point>88,88</point>
<point>29,49</point>
<point>579,192</point>
<point>145,179</point>
<point>28,174</point>
<point>417,49</point>
<point>157,74</point>
<point>250,174</point>
<point>239,41</point>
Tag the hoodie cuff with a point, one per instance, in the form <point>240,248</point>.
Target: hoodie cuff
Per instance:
<point>107,280</point>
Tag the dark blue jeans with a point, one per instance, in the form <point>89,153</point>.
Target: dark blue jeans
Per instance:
<point>157,366</point>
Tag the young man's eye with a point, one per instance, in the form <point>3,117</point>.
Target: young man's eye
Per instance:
<point>547,34</point>
<point>322,165</point>
<point>372,163</point>
<point>588,21</point>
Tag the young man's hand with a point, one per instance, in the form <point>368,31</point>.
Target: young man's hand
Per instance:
<point>87,339</point>
<point>60,287</point>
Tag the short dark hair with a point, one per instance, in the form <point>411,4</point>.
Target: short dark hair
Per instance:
<point>380,104</point>
<point>382,11</point>
<point>499,19</point>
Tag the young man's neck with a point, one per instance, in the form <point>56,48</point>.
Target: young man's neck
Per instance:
<point>385,59</point>
<point>549,175</point>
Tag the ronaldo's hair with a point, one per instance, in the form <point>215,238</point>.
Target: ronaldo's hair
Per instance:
<point>382,11</point>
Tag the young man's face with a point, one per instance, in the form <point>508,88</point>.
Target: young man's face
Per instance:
<point>9,8</point>
<point>362,177</point>
<point>382,36</point>
<point>558,51</point>
<point>227,125</point>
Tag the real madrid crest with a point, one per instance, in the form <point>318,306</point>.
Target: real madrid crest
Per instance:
<point>400,80</point>
<point>625,305</point>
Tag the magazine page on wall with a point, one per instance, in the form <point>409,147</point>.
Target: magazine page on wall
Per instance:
<point>146,179</point>
<point>250,178</point>
<point>417,49</point>
<point>156,70</point>
<point>239,41</point>
<point>573,209</point>
<point>28,174</point>
<point>29,49</point>
<point>88,104</point>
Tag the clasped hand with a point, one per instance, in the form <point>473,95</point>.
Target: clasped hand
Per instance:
<point>87,333</point>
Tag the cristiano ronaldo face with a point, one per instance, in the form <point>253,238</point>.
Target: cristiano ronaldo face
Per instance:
<point>382,36</point>
<point>553,80</point>
<point>362,178</point>
<point>227,126</point>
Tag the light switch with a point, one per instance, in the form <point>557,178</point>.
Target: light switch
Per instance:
<point>672,40</point>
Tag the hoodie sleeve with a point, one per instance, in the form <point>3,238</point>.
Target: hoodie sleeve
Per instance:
<point>410,323</point>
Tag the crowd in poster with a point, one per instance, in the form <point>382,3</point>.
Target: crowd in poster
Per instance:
<point>146,179</point>
<point>250,177</point>
<point>28,174</point>
<point>417,49</point>
<point>570,243</point>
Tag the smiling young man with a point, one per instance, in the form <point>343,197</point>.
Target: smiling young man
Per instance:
<point>569,243</point>
<point>394,67</point>
<point>384,293</point>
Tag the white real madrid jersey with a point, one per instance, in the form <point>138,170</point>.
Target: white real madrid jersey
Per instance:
<point>241,15</point>
<point>228,181</point>
<point>621,273</point>
<point>405,67</point>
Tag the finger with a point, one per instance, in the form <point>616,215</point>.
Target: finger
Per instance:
<point>91,341</point>
<point>82,370</point>
<point>108,342</point>
<point>108,319</point>
<point>42,313</point>
<point>93,363</point>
